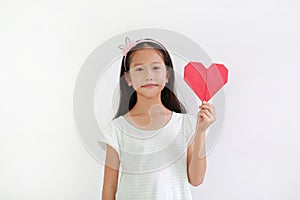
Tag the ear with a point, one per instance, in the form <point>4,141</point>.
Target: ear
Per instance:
<point>167,76</point>
<point>127,78</point>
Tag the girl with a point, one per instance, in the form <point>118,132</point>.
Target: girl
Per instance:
<point>151,131</point>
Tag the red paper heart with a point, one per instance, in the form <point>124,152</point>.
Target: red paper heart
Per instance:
<point>205,82</point>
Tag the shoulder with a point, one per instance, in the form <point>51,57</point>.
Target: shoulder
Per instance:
<point>187,122</point>
<point>108,135</point>
<point>112,125</point>
<point>186,118</point>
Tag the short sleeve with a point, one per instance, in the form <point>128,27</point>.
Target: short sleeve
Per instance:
<point>190,127</point>
<point>110,137</point>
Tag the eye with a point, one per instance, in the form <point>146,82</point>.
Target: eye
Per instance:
<point>139,69</point>
<point>156,67</point>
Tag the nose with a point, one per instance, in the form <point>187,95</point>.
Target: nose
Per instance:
<point>149,73</point>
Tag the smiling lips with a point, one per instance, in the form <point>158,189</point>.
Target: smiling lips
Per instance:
<point>149,85</point>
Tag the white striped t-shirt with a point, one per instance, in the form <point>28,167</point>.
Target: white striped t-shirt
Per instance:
<point>153,164</point>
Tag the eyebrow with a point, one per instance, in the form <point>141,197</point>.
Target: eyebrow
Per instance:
<point>136,64</point>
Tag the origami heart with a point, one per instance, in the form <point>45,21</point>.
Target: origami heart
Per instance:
<point>205,82</point>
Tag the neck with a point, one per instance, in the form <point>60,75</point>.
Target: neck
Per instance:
<point>146,105</point>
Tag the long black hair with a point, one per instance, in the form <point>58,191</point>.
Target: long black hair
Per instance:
<point>128,96</point>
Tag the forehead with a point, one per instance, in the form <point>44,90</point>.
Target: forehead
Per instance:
<point>146,56</point>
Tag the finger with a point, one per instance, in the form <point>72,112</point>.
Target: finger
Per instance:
<point>207,108</point>
<point>205,115</point>
<point>208,114</point>
<point>213,111</point>
<point>205,103</point>
<point>200,114</point>
<point>210,107</point>
<point>212,114</point>
<point>201,111</point>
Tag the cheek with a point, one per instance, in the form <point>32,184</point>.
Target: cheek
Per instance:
<point>161,78</point>
<point>137,82</point>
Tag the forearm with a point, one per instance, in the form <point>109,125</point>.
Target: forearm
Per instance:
<point>108,193</point>
<point>197,166</point>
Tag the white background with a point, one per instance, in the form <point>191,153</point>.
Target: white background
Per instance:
<point>44,43</point>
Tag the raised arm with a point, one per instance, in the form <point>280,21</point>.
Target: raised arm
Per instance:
<point>196,159</point>
<point>196,155</point>
<point>111,174</point>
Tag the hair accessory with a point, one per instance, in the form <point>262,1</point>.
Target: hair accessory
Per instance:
<point>128,45</point>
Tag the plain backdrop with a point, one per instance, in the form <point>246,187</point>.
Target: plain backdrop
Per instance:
<point>44,43</point>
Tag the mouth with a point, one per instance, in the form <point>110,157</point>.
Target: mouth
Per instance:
<point>150,85</point>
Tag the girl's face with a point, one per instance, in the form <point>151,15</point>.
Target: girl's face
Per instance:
<point>147,73</point>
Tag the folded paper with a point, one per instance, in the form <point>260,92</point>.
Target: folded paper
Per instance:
<point>205,82</point>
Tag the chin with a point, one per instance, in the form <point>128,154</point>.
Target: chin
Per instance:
<point>150,93</point>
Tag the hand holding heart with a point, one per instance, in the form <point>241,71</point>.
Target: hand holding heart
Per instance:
<point>206,116</point>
